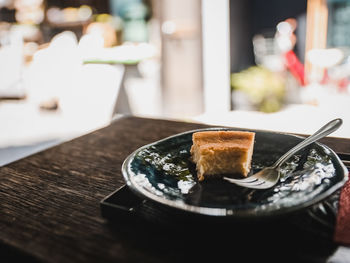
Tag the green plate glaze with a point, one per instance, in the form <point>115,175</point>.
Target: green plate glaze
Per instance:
<point>163,172</point>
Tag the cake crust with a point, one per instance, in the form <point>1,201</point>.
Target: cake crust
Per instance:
<point>222,152</point>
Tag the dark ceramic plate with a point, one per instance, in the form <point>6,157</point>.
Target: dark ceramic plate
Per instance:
<point>163,172</point>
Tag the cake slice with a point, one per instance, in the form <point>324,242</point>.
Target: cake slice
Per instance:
<point>222,152</point>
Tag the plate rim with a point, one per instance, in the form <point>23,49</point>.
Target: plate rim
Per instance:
<point>225,212</point>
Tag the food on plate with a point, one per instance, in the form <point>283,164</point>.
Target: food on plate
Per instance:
<point>222,152</point>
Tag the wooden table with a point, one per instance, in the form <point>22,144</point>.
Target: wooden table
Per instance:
<point>50,207</point>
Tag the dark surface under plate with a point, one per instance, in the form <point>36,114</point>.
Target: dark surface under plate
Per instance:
<point>162,172</point>
<point>308,234</point>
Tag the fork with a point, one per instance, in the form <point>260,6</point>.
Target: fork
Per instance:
<point>269,176</point>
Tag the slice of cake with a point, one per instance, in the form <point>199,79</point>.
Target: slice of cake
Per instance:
<point>222,152</point>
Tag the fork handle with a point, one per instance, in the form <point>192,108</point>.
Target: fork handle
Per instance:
<point>322,132</point>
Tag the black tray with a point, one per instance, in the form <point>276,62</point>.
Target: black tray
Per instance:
<point>124,205</point>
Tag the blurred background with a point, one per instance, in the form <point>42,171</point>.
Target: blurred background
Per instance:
<point>68,67</point>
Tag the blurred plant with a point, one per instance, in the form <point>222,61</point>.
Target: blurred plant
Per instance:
<point>264,89</point>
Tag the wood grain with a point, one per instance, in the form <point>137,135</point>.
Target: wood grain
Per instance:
<point>49,202</point>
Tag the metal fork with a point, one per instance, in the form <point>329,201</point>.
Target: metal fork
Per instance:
<point>269,176</point>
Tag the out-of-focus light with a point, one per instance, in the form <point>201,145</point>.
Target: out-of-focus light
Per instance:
<point>25,4</point>
<point>285,38</point>
<point>69,14</point>
<point>33,16</point>
<point>84,12</point>
<point>325,57</point>
<point>54,15</point>
<point>29,11</point>
<point>169,27</point>
<point>104,18</point>
<point>105,30</point>
<point>284,28</point>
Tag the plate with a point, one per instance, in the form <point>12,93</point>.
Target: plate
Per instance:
<point>163,172</point>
